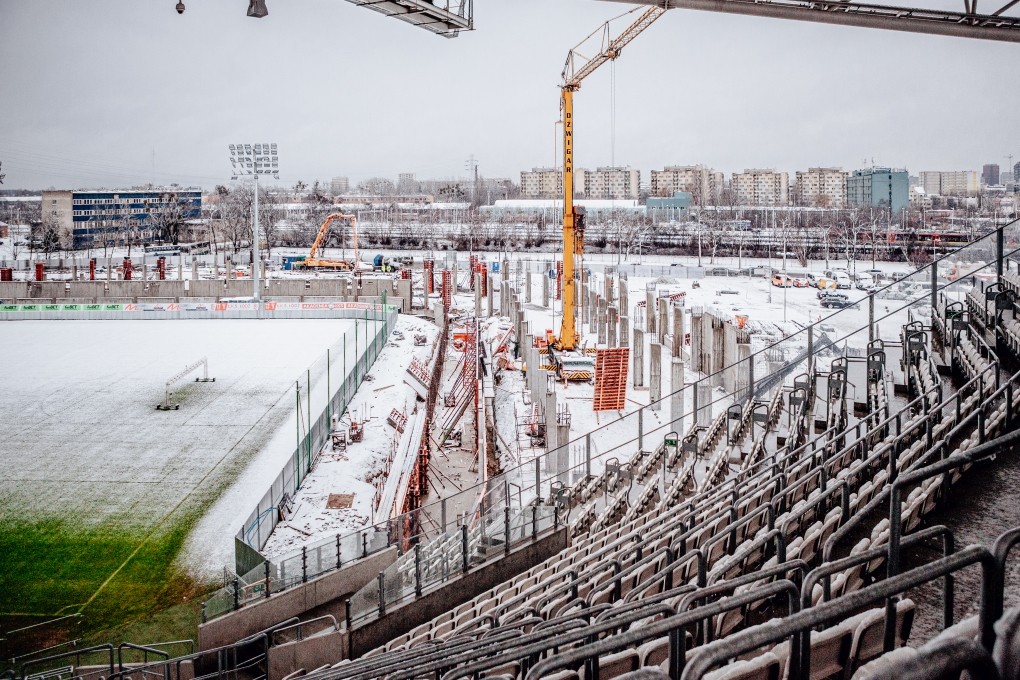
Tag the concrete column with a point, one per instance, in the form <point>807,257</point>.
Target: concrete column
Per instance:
<point>704,415</point>
<point>602,321</point>
<point>180,267</point>
<point>676,401</point>
<point>612,325</point>
<point>649,311</point>
<point>520,326</point>
<point>624,302</point>
<point>638,354</point>
<point>655,375</point>
<point>624,331</point>
<point>707,344</point>
<point>678,331</point>
<point>478,301</point>
<point>490,294</point>
<point>109,269</point>
<point>563,455</point>
<point>742,381</point>
<point>145,270</point>
<point>551,440</point>
<point>663,321</point>
<point>607,286</point>
<point>696,342</point>
<point>729,355</point>
<point>74,271</point>
<point>592,308</point>
<point>545,290</point>
<point>527,286</point>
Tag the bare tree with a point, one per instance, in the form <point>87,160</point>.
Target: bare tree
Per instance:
<point>171,216</point>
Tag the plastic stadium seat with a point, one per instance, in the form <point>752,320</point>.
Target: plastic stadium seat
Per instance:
<point>1006,652</point>
<point>868,638</point>
<point>882,665</point>
<point>764,667</point>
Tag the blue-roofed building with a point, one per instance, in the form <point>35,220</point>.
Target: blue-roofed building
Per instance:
<point>115,217</point>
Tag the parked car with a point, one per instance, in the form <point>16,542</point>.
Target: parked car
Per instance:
<point>864,281</point>
<point>801,282</point>
<point>782,280</point>
<point>836,302</point>
<point>831,294</point>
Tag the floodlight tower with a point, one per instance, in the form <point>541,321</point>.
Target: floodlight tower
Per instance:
<point>255,160</point>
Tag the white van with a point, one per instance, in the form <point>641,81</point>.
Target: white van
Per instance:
<point>865,281</point>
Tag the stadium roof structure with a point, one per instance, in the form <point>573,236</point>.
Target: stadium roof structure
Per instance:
<point>442,17</point>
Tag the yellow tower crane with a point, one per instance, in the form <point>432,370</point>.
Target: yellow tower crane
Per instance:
<point>573,218</point>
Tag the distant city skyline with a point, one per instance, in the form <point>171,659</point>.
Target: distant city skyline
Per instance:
<point>157,97</point>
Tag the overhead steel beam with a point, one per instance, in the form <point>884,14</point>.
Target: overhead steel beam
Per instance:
<point>909,19</point>
<point>442,17</point>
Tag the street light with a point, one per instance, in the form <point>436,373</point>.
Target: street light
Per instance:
<point>255,160</point>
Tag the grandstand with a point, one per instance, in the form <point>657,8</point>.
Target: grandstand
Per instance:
<point>792,536</point>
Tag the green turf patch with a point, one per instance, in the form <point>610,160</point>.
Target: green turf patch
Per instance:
<point>111,576</point>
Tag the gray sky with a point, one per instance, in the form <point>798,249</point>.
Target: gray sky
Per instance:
<point>92,89</point>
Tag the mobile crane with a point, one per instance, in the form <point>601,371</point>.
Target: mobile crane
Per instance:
<point>315,262</point>
<point>571,364</point>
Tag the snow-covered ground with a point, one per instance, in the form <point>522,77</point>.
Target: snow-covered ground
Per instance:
<point>80,436</point>
<point>356,470</point>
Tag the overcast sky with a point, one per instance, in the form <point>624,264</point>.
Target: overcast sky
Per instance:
<point>115,92</point>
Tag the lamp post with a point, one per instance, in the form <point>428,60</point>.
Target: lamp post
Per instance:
<point>255,160</point>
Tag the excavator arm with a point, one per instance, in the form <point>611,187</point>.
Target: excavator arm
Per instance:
<point>320,238</point>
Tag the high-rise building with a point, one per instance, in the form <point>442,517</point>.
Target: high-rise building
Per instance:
<point>611,183</point>
<point>951,182</point>
<point>704,184</point>
<point>406,184</point>
<point>878,187</point>
<point>120,216</point>
<point>821,188</point>
<point>339,186</point>
<point>990,174</point>
<point>761,187</point>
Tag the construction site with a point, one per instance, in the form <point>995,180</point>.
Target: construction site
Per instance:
<point>526,465</point>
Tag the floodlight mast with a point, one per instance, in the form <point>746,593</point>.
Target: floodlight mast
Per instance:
<point>255,160</point>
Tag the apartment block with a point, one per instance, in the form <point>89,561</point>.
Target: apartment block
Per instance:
<point>761,187</point>
<point>704,184</point>
<point>821,188</point>
<point>951,182</point>
<point>611,183</point>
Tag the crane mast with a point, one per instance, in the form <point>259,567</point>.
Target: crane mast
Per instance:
<point>573,218</point>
